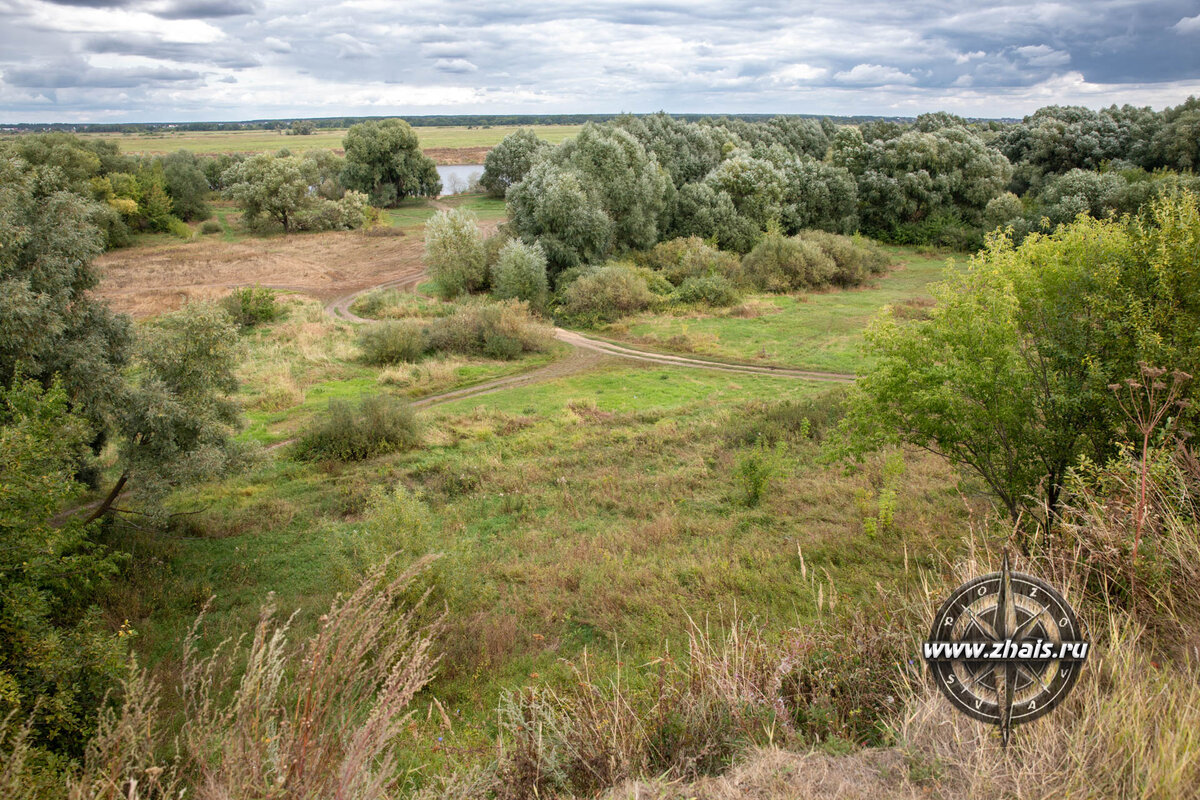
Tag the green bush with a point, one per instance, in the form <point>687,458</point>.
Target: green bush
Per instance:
<point>251,305</point>
<point>504,330</point>
<point>854,258</point>
<point>781,264</point>
<point>713,290</point>
<point>690,257</point>
<point>378,425</point>
<point>455,253</point>
<point>392,341</point>
<point>520,273</point>
<point>210,226</point>
<point>178,228</point>
<point>756,470</point>
<point>605,294</point>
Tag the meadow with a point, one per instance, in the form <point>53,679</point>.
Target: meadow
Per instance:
<point>564,511</point>
<point>816,330</point>
<point>260,141</point>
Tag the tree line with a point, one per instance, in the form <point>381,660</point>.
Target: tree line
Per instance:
<point>941,179</point>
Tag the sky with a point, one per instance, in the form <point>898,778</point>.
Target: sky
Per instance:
<point>186,60</point>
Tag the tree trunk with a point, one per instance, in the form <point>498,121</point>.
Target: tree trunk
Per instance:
<point>108,501</point>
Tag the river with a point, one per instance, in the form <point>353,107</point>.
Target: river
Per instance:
<point>457,178</point>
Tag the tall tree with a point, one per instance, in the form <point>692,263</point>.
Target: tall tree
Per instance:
<point>384,160</point>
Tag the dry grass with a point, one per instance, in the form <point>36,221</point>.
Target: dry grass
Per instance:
<point>149,280</point>
<point>775,774</point>
<point>269,717</point>
<point>427,377</point>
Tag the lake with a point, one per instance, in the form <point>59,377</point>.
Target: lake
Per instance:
<point>457,178</point>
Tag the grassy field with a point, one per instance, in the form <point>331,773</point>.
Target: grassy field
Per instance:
<point>594,513</point>
<point>267,141</point>
<point>821,331</point>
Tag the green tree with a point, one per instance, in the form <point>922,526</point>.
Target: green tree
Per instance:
<point>268,187</point>
<point>384,161</point>
<point>553,206</point>
<point>57,659</point>
<point>520,273</point>
<point>1008,377</point>
<point>53,325</point>
<point>187,186</point>
<point>176,416</point>
<point>509,161</point>
<point>454,252</point>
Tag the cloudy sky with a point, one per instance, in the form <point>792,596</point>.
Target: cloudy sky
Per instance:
<point>147,60</point>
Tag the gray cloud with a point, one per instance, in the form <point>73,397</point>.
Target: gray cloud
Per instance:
<point>330,57</point>
<point>79,75</point>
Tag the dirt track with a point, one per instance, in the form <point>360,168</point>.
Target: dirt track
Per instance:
<point>586,353</point>
<point>338,268</point>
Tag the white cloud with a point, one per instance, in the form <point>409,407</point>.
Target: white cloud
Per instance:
<point>799,73</point>
<point>1187,25</point>
<point>277,45</point>
<point>874,75</point>
<point>1043,55</point>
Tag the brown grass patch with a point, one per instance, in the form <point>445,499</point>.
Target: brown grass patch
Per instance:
<point>150,280</point>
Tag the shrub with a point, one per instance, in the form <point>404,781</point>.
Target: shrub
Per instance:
<point>713,290</point>
<point>520,273</point>
<point>210,226</point>
<point>392,341</point>
<point>757,469</point>
<point>455,253</point>
<point>854,259</point>
<point>380,424</point>
<point>180,229</point>
<point>251,305</point>
<point>690,257</point>
<point>780,264</point>
<point>504,330</point>
<point>605,294</point>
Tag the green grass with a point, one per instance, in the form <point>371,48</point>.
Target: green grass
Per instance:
<point>820,331</point>
<point>209,142</point>
<point>484,207</point>
<point>598,511</point>
<point>593,512</point>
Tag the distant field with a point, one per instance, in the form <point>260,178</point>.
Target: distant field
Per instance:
<point>260,141</point>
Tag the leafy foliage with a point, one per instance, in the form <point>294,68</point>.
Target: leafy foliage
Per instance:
<point>384,161</point>
<point>379,424</point>
<point>454,253</point>
<point>1008,376</point>
<point>57,658</point>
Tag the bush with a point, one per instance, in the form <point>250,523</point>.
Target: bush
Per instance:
<point>713,290</point>
<point>690,257</point>
<point>455,253</point>
<point>251,305</point>
<point>210,226</point>
<point>380,424</point>
<point>504,330</point>
<point>520,273</point>
<point>180,229</point>
<point>854,259</point>
<point>780,264</point>
<point>605,294</point>
<point>392,341</point>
